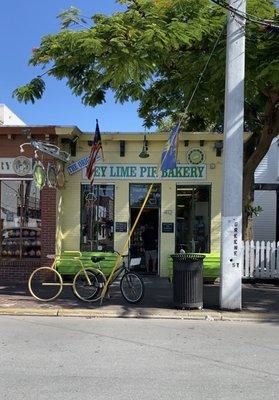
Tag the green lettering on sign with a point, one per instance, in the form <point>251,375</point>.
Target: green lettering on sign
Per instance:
<point>140,171</point>
<point>200,170</point>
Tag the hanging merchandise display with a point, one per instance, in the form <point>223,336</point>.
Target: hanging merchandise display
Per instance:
<point>47,148</point>
<point>51,150</point>
<point>60,176</point>
<point>51,176</point>
<point>39,174</point>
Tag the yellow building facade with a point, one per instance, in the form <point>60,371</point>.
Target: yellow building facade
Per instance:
<point>184,208</point>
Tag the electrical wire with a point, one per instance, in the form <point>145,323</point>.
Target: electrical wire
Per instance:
<point>173,137</point>
<point>246,16</point>
<point>202,74</point>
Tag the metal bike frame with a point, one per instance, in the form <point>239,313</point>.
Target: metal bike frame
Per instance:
<point>77,259</point>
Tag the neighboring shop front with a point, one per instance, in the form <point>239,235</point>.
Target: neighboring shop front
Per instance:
<point>183,210</point>
<point>28,213</point>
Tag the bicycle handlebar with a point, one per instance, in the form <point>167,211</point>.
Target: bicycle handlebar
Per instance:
<point>122,255</point>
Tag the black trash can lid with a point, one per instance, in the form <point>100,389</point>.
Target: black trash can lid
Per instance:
<point>187,256</point>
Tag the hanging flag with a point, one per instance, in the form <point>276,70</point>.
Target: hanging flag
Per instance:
<point>168,160</point>
<point>96,147</point>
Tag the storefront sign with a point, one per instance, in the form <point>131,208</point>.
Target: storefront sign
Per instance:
<point>145,171</point>
<point>15,166</point>
<point>167,227</point>
<point>120,226</point>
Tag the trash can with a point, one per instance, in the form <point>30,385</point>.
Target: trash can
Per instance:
<point>188,280</point>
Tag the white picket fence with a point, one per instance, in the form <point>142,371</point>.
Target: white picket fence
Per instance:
<point>261,260</point>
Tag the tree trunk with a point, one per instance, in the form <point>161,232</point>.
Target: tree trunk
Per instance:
<point>248,199</point>
<point>269,132</point>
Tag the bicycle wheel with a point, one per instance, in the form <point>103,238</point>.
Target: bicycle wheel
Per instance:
<point>132,287</point>
<point>87,284</point>
<point>45,284</point>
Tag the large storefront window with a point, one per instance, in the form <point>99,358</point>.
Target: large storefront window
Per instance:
<point>193,218</point>
<point>20,223</point>
<point>97,216</point>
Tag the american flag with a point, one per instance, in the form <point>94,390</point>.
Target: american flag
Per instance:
<point>96,147</point>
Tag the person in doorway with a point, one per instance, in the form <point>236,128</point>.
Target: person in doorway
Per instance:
<point>150,247</point>
<point>199,232</point>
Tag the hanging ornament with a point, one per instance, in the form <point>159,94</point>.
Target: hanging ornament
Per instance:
<point>60,176</point>
<point>39,174</point>
<point>51,176</point>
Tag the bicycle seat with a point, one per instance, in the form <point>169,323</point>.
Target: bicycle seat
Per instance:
<point>96,259</point>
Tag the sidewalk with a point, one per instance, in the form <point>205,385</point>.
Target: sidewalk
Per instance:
<point>260,303</point>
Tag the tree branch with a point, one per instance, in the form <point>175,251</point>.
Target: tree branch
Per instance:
<point>269,132</point>
<point>138,8</point>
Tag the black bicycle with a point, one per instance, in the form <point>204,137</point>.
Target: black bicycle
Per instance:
<point>90,282</point>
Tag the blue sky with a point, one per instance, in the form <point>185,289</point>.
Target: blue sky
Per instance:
<point>22,24</point>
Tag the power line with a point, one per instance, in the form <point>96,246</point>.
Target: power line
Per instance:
<point>248,17</point>
<point>202,74</point>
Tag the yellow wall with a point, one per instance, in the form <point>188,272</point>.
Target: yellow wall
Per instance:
<point>68,203</point>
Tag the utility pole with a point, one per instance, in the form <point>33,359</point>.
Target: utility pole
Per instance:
<point>231,221</point>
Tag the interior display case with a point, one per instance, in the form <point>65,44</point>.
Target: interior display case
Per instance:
<point>21,242</point>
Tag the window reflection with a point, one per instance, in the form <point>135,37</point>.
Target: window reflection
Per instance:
<point>138,193</point>
<point>97,216</point>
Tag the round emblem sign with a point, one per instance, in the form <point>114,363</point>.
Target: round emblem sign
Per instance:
<point>195,156</point>
<point>22,166</point>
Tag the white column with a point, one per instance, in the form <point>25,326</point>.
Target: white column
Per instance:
<point>231,223</point>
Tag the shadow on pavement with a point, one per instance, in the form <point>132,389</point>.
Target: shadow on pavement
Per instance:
<point>257,298</point>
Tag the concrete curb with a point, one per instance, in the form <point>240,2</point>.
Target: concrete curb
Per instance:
<point>29,311</point>
<point>171,314</point>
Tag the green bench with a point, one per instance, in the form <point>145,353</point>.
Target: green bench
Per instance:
<point>211,266</point>
<point>67,265</point>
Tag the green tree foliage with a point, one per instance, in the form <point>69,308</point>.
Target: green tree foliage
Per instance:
<point>154,52</point>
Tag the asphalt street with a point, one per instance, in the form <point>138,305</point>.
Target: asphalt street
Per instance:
<point>77,358</point>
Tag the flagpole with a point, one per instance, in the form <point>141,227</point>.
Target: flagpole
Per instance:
<point>168,161</point>
<point>120,256</point>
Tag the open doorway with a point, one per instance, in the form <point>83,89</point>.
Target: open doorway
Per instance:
<point>144,241</point>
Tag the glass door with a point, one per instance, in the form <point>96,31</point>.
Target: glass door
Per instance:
<point>145,239</point>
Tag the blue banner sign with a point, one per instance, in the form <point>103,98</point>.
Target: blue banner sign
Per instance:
<point>78,165</point>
